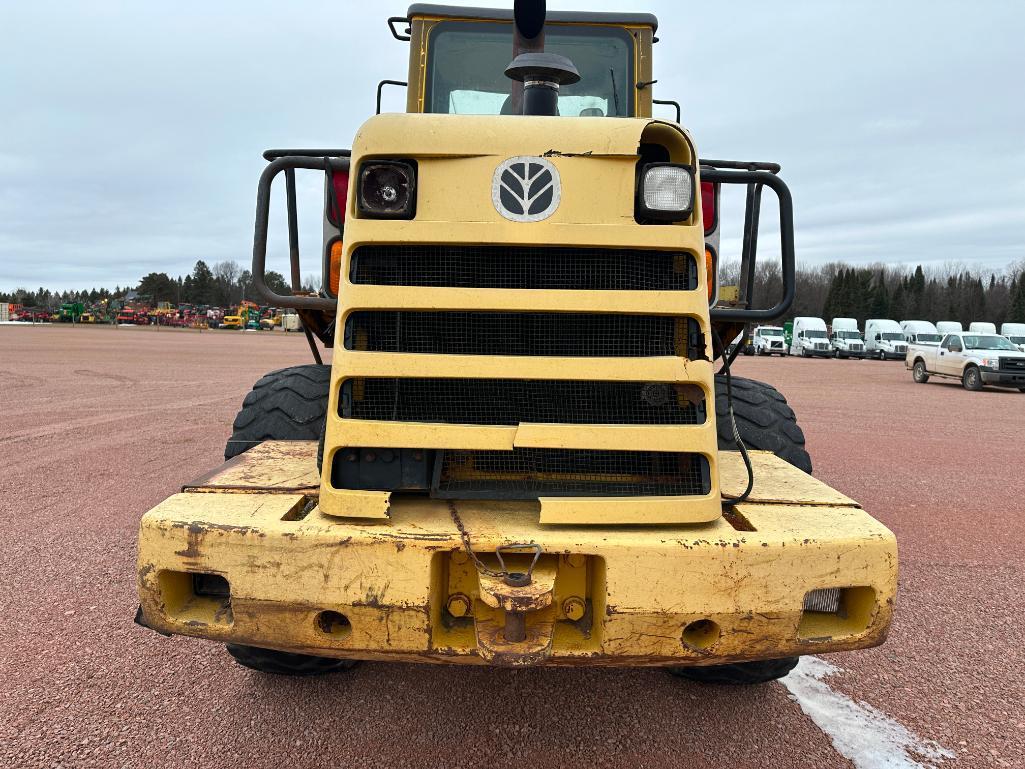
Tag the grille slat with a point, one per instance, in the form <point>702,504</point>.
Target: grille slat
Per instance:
<point>532,473</point>
<point>513,401</point>
<point>551,268</point>
<point>524,333</point>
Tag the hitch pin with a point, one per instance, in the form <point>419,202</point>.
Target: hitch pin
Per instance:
<point>516,621</point>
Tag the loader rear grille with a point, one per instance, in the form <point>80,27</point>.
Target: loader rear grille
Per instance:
<point>525,333</point>
<point>513,401</point>
<point>532,473</point>
<point>548,267</point>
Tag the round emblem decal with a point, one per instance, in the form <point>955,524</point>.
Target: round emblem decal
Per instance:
<point>526,189</point>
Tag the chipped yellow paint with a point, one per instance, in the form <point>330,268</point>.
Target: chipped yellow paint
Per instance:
<point>391,580</point>
<point>456,159</point>
<point>776,481</point>
<point>282,466</point>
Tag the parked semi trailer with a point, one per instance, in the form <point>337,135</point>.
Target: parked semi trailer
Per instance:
<point>1015,333</point>
<point>810,338</point>
<point>884,339</point>
<point>768,340</point>
<point>521,453</point>
<point>920,332</point>
<point>845,339</point>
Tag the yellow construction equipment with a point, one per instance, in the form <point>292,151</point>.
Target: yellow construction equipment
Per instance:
<point>521,453</point>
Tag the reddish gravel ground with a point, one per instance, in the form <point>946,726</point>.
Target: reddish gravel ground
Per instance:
<point>100,424</point>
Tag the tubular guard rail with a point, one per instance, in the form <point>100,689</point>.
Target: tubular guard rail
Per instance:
<point>288,161</point>
<point>756,176</point>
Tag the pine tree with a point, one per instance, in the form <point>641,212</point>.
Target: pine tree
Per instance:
<point>1016,310</point>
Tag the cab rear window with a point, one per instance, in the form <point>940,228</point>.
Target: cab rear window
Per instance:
<point>466,63</point>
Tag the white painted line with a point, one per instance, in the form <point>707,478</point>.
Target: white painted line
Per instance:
<point>869,738</point>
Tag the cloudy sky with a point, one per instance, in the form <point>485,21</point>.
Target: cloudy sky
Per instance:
<point>131,132</point>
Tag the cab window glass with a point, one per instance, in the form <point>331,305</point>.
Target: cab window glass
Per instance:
<point>466,63</point>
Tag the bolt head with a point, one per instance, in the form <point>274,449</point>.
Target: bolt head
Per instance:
<point>458,605</point>
<point>574,608</point>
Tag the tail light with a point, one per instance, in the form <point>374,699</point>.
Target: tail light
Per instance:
<point>709,194</point>
<point>337,199</point>
<point>334,265</point>
<point>710,272</point>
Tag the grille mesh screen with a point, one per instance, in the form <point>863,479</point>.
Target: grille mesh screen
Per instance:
<point>555,267</point>
<point>512,401</point>
<point>524,333</point>
<point>531,473</point>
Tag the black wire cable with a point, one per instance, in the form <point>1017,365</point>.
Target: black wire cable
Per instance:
<point>733,423</point>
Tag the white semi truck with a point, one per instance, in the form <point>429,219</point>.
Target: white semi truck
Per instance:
<point>1015,333</point>
<point>884,339</point>
<point>768,340</point>
<point>845,338</point>
<point>810,338</point>
<point>982,328</point>
<point>949,327</point>
<point>920,332</point>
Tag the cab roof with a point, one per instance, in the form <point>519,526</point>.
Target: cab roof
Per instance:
<point>506,14</point>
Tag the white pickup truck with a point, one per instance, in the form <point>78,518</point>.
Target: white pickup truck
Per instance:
<point>975,359</point>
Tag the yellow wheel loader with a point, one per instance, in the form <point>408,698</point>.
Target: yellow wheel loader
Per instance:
<point>528,448</point>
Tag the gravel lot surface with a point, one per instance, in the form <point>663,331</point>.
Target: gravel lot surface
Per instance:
<point>99,424</point>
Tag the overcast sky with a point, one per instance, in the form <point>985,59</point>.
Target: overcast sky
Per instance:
<point>131,132</point>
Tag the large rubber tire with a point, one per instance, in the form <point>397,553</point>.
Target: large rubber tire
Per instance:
<point>289,404</point>
<point>739,673</point>
<point>285,663</point>
<point>766,422</point>
<point>918,373</point>
<point>971,379</point>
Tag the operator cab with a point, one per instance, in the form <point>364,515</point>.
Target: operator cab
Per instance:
<point>462,54</point>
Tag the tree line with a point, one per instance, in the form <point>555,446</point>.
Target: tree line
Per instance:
<point>226,284</point>
<point>838,290</point>
<point>834,290</point>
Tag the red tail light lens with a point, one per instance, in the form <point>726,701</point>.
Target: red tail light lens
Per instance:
<point>336,207</point>
<point>709,195</point>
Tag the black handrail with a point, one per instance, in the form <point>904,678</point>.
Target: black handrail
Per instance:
<point>332,160</point>
<point>757,179</point>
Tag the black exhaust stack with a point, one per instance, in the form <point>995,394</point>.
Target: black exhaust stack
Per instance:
<point>540,73</point>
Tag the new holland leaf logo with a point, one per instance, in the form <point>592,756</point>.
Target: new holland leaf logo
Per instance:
<point>526,189</point>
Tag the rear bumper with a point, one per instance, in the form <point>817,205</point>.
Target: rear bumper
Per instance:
<point>726,591</point>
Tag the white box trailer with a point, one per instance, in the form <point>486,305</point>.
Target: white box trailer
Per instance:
<point>845,338</point>
<point>1015,333</point>
<point>810,338</point>
<point>884,339</point>
<point>920,332</point>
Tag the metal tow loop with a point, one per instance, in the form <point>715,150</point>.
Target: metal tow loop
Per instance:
<point>515,621</point>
